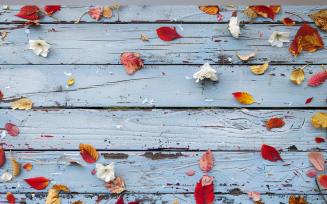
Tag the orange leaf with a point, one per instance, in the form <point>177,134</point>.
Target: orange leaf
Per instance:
<point>88,153</point>
<point>27,166</point>
<point>61,188</point>
<point>266,11</point>
<point>275,123</point>
<point>116,186</point>
<point>274,8</point>
<point>206,161</point>
<point>317,160</point>
<point>1,95</point>
<point>38,183</point>
<point>323,180</point>
<point>74,162</point>
<point>244,97</point>
<point>297,200</point>
<point>288,22</point>
<point>2,157</point>
<point>270,153</point>
<point>246,57</point>
<point>212,10</point>
<point>10,198</point>
<point>131,61</point>
<point>319,139</point>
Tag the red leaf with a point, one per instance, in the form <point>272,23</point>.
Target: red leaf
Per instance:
<point>319,139</point>
<point>131,61</point>
<point>1,95</point>
<point>311,173</point>
<point>29,12</point>
<point>190,172</point>
<point>206,161</point>
<point>275,123</point>
<point>308,100</point>
<point>120,200</point>
<point>38,183</point>
<point>95,13</point>
<point>51,8</point>
<point>204,194</point>
<point>270,153</point>
<point>323,180</point>
<point>317,78</point>
<point>260,34</point>
<point>220,17</point>
<point>2,157</point>
<point>10,198</point>
<point>288,22</point>
<point>317,160</point>
<point>135,202</point>
<point>12,129</point>
<point>88,153</point>
<point>167,34</point>
<point>93,171</point>
<point>263,11</point>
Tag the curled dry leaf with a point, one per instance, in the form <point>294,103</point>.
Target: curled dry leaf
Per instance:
<point>10,198</point>
<point>206,161</point>
<point>23,103</point>
<point>131,61</point>
<point>319,139</point>
<point>15,166</point>
<point>95,13</point>
<point>106,12</point>
<point>288,22</point>
<point>38,183</point>
<point>260,69</point>
<point>61,188</point>
<point>275,123</point>
<point>4,35</point>
<point>52,197</point>
<point>247,56</point>
<point>167,34</point>
<point>12,129</point>
<point>317,160</point>
<point>212,10</point>
<point>190,173</point>
<point>297,200</point>
<point>311,173</point>
<point>207,180</point>
<point>320,119</point>
<point>204,194</point>
<point>116,186</point>
<point>74,162</point>
<point>29,12</point>
<point>309,100</point>
<point>320,19</point>
<point>2,157</point>
<point>254,195</point>
<point>244,98</point>
<point>250,13</point>
<point>297,76</point>
<point>70,82</point>
<point>144,37</point>
<point>270,153</point>
<point>323,180</point>
<point>88,153</point>
<point>28,166</point>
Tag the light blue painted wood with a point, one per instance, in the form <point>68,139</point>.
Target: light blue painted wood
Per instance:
<point>111,86</point>
<point>155,13</point>
<point>103,44</point>
<point>144,174</point>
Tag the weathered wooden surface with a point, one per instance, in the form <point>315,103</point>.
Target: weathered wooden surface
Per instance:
<point>153,13</point>
<point>219,129</point>
<point>164,172</point>
<point>103,44</point>
<point>156,86</point>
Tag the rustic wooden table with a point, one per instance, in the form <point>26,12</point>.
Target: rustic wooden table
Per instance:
<point>168,120</point>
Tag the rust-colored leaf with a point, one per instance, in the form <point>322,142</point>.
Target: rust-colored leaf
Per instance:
<point>2,157</point>
<point>260,69</point>
<point>29,12</point>
<point>319,139</point>
<point>61,188</point>
<point>95,13</point>
<point>70,82</point>
<point>144,37</point>
<point>23,103</point>
<point>212,10</point>
<point>206,161</point>
<point>4,35</point>
<point>323,180</point>
<point>74,162</point>
<point>190,173</point>
<point>28,166</point>
<point>264,11</point>
<point>274,8</point>
<point>204,194</point>
<point>318,78</point>
<point>317,160</point>
<point>320,119</point>
<point>320,19</point>
<point>275,123</point>
<point>311,173</point>
<point>167,34</point>
<point>51,8</point>
<point>12,129</point>
<point>270,153</point>
<point>88,153</point>
<point>250,13</point>
<point>297,200</point>
<point>288,22</point>
<point>244,97</point>
<point>131,61</point>
<point>116,186</point>
<point>247,56</point>
<point>15,166</point>
<point>258,202</point>
<point>106,12</point>
<point>78,202</point>
<point>10,198</point>
<point>38,183</point>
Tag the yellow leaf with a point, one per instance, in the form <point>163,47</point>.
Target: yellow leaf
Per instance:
<point>244,98</point>
<point>310,43</point>
<point>15,166</point>
<point>106,12</point>
<point>260,69</point>
<point>88,153</point>
<point>320,19</point>
<point>320,119</point>
<point>298,75</point>
<point>51,197</point>
<point>70,82</point>
<point>250,13</point>
<point>176,202</point>
<point>4,35</point>
<point>144,37</point>
<point>297,200</point>
<point>212,10</point>
<point>55,201</point>
<point>259,202</point>
<point>60,187</point>
<point>116,6</point>
<point>23,103</point>
<point>74,162</point>
<point>247,56</point>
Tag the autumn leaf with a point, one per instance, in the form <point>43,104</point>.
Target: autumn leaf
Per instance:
<point>306,38</point>
<point>2,157</point>
<point>297,76</point>
<point>288,22</point>
<point>319,139</point>
<point>1,95</point>
<point>88,153</point>
<point>320,19</point>
<point>70,82</point>
<point>38,183</point>
<point>167,34</point>
<point>10,198</point>
<point>12,129</point>
<point>131,61</point>
<point>317,78</point>
<point>120,200</point>
<point>29,12</point>
<point>206,161</point>
<point>144,37</point>
<point>74,162</point>
<point>317,160</point>
<point>254,195</point>
<point>4,36</point>
<point>275,123</point>
<point>259,69</point>
<point>274,8</point>
<point>204,194</point>
<point>212,10</point>
<point>23,103</point>
<point>106,12</point>
<point>309,100</point>
<point>297,200</point>
<point>116,186</point>
<point>190,173</point>
<point>250,13</point>
<point>270,153</point>
<point>207,180</point>
<point>320,119</point>
<point>61,188</point>
<point>323,180</point>
<point>258,202</point>
<point>52,197</point>
<point>28,166</point>
<point>247,56</point>
<point>311,173</point>
<point>15,166</point>
<point>135,202</point>
<point>95,13</point>
<point>176,202</point>
<point>93,171</point>
<point>51,8</point>
<point>244,98</point>
<point>116,6</point>
<point>78,202</point>
<point>265,11</point>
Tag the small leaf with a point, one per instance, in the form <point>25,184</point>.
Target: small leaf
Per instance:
<point>131,61</point>
<point>4,35</point>
<point>70,82</point>
<point>204,194</point>
<point>206,161</point>
<point>51,8</point>
<point>23,103</point>
<point>167,34</point>
<point>10,198</point>
<point>29,12</point>
<point>319,139</point>
<point>207,180</point>
<point>15,166</point>
<point>116,186</point>
<point>190,173</point>
<point>2,157</point>
<point>38,183</point>
<point>247,56</point>
<point>275,123</point>
<point>317,160</point>
<point>176,202</point>
<point>78,202</point>
<point>12,129</point>
<point>317,78</point>
<point>250,13</point>
<point>95,13</point>
<point>61,188</point>
<point>74,162</point>
<point>212,10</point>
<point>309,100</point>
<point>320,119</point>
<point>244,97</point>
<point>120,200</point>
<point>288,22</point>
<point>52,197</point>
<point>311,173</point>
<point>93,171</point>
<point>297,76</point>
<point>144,37</point>
<point>320,19</point>
<point>259,69</point>
<point>255,196</point>
<point>1,95</point>
<point>323,180</point>
<point>88,153</point>
<point>28,166</point>
<point>297,200</point>
<point>107,12</point>
<point>135,202</point>
<point>270,153</point>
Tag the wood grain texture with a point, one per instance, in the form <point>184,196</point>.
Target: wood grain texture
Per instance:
<point>165,172</point>
<point>156,86</point>
<point>164,13</point>
<point>103,44</point>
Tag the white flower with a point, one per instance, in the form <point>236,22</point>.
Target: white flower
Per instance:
<point>277,38</point>
<point>6,176</point>
<point>206,72</point>
<point>106,173</point>
<point>234,27</point>
<point>39,47</point>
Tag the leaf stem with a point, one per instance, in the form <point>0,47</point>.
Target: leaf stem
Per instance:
<point>51,15</point>
<point>31,159</point>
<point>270,76</point>
<point>179,198</point>
<point>256,102</point>
<point>306,86</point>
<point>320,190</point>
<point>55,17</point>
<point>227,5</point>
<point>118,13</point>
<point>129,191</point>
<point>306,66</point>
<point>324,67</point>
<point>220,28</point>
<point>81,17</point>
<point>295,15</point>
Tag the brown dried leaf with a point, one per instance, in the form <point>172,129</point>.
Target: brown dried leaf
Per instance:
<point>144,37</point>
<point>297,200</point>
<point>23,103</point>
<point>298,75</point>
<point>61,188</point>
<point>247,56</point>
<point>259,69</point>
<point>116,186</point>
<point>250,13</point>
<point>107,12</point>
<point>4,35</point>
<point>15,166</point>
<point>320,19</point>
<point>212,10</point>
<point>74,162</point>
<point>259,202</point>
<point>78,202</point>
<point>52,196</point>
<point>320,119</point>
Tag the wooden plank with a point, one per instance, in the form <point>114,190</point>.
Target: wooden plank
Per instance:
<point>164,172</point>
<point>103,44</point>
<point>157,198</point>
<point>155,13</point>
<point>156,86</point>
<point>225,130</point>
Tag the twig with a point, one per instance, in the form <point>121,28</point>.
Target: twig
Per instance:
<point>179,198</point>
<point>305,66</point>
<point>81,16</point>
<point>270,76</point>
<point>31,159</point>
<point>320,190</point>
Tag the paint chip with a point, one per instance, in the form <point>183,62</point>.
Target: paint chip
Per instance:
<point>27,30</point>
<point>68,74</point>
<point>3,134</point>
